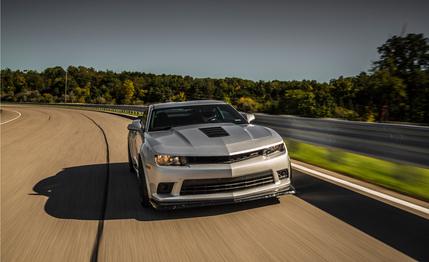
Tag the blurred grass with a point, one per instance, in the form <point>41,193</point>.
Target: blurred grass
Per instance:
<point>407,179</point>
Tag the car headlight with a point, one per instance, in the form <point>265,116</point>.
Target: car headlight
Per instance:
<point>167,160</point>
<point>275,149</point>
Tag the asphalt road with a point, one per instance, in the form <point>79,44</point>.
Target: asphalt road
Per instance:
<point>67,195</point>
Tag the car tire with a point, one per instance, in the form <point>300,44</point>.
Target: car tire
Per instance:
<point>130,161</point>
<point>144,195</point>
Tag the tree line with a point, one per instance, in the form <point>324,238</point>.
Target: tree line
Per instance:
<point>395,89</point>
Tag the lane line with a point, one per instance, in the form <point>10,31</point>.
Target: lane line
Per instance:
<point>10,120</point>
<point>363,189</point>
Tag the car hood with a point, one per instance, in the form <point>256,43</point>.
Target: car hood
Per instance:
<point>191,141</point>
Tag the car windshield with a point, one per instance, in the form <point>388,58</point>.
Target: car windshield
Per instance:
<point>166,118</point>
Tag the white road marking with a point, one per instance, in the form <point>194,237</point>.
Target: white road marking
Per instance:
<point>10,120</point>
<point>363,189</point>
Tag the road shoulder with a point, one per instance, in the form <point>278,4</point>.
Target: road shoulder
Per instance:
<point>393,198</point>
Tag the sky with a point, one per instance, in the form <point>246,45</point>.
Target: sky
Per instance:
<point>257,40</point>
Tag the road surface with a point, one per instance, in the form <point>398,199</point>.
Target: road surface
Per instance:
<point>67,195</point>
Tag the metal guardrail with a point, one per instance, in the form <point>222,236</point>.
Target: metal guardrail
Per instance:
<point>396,142</point>
<point>400,143</point>
<point>125,109</point>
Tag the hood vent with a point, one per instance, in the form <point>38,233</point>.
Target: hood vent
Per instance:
<point>214,131</point>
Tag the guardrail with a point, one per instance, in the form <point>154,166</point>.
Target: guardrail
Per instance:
<point>396,142</point>
<point>400,143</point>
<point>134,110</point>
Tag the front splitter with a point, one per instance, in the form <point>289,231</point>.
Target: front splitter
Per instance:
<point>171,205</point>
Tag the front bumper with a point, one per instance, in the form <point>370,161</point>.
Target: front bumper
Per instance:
<point>161,174</point>
<point>239,199</point>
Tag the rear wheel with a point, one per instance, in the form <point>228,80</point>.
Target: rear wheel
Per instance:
<point>144,195</point>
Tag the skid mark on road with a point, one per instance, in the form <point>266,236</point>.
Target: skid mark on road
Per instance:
<point>96,247</point>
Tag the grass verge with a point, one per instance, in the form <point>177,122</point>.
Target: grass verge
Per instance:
<point>406,179</point>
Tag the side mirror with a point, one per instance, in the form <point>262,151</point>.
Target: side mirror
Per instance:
<point>250,117</point>
<point>135,126</point>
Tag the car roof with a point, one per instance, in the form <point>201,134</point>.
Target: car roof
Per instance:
<point>187,103</point>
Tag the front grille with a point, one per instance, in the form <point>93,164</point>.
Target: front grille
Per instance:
<point>222,185</point>
<point>214,131</point>
<point>197,160</point>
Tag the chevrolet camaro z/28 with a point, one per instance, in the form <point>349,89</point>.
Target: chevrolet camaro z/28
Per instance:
<point>200,153</point>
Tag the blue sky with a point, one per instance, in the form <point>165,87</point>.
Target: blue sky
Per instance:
<point>258,40</point>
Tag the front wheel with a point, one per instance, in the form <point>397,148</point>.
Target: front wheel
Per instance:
<point>144,194</point>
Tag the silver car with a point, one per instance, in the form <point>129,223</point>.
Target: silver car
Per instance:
<point>200,153</point>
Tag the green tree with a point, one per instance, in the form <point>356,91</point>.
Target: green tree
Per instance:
<point>127,91</point>
<point>408,59</point>
<point>298,102</point>
<point>7,85</point>
<point>180,97</point>
<point>396,89</point>
<point>388,95</point>
<point>402,56</point>
<point>344,91</point>
<point>247,104</point>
